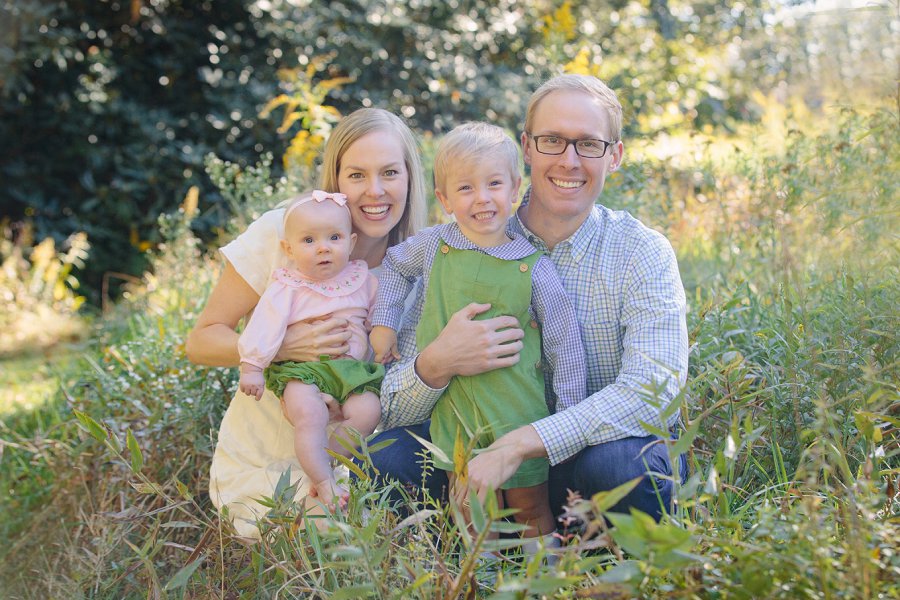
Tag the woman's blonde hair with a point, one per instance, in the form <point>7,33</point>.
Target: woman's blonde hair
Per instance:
<point>588,84</point>
<point>359,123</point>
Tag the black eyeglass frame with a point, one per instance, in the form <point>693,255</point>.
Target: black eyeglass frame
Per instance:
<point>568,142</point>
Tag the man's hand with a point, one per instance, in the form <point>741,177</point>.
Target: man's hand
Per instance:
<point>469,347</point>
<point>495,465</point>
<point>384,344</point>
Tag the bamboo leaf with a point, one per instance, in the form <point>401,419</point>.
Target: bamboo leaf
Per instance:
<point>137,459</point>
<point>603,501</point>
<point>354,591</point>
<point>438,453</point>
<point>181,578</point>
<point>91,426</point>
<point>351,466</point>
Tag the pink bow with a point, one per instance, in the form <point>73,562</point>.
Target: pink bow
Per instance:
<point>318,196</point>
<point>336,197</point>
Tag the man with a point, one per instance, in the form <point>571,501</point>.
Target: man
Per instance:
<point>623,279</point>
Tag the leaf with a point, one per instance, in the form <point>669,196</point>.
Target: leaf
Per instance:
<point>91,426</point>
<point>354,591</point>
<point>628,533</point>
<point>137,459</point>
<point>414,519</point>
<point>183,490</point>
<point>438,453</point>
<point>686,439</point>
<point>351,466</point>
<point>181,578</point>
<point>460,464</point>
<point>380,445</point>
<point>624,572</point>
<point>550,585</point>
<point>476,512</point>
<point>179,525</point>
<point>603,501</point>
<point>146,488</point>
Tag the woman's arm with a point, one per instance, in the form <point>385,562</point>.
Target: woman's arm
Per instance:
<point>213,341</point>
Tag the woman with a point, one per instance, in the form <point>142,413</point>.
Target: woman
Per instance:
<point>371,157</point>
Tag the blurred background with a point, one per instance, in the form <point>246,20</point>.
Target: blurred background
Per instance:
<point>136,136</point>
<point>108,107</point>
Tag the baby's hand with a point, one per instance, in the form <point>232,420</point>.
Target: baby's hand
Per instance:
<point>384,343</point>
<point>252,381</point>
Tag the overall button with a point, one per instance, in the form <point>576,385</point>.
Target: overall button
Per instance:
<point>523,267</point>
<point>445,249</point>
<point>533,324</point>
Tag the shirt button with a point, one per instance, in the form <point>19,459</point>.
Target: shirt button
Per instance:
<point>523,267</point>
<point>445,249</point>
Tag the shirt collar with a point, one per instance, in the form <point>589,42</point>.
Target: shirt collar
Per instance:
<point>517,248</point>
<point>577,244</point>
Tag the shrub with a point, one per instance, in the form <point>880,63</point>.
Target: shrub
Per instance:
<point>38,291</point>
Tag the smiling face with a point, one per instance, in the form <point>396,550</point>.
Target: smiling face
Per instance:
<point>317,239</point>
<point>373,175</point>
<point>565,186</point>
<point>480,195</point>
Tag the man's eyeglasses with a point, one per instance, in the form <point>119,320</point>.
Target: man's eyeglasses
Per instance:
<point>554,144</point>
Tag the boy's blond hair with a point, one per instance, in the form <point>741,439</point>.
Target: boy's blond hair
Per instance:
<point>588,84</point>
<point>472,143</point>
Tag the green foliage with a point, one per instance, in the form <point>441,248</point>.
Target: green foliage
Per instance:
<point>790,418</point>
<point>38,299</point>
<point>108,108</point>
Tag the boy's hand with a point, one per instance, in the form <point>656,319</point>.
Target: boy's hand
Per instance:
<point>384,343</point>
<point>252,381</point>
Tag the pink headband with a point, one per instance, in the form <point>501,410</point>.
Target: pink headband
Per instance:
<point>318,196</point>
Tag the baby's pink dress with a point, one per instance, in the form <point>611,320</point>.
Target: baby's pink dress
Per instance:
<point>291,297</point>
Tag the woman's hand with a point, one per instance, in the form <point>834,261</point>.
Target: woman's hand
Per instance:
<point>307,341</point>
<point>469,347</point>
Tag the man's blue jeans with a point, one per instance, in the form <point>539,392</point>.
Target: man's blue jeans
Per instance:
<point>594,469</point>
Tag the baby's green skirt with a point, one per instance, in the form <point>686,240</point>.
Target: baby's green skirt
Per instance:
<point>341,377</point>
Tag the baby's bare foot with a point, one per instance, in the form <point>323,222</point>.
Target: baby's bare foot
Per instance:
<point>332,495</point>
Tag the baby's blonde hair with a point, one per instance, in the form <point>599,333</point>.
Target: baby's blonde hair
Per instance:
<point>475,142</point>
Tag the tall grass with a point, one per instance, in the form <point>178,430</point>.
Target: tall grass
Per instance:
<point>789,256</point>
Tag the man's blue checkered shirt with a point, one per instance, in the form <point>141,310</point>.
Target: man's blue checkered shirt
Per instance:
<point>623,279</point>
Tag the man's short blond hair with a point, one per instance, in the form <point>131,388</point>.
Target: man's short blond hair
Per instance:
<point>473,143</point>
<point>588,84</point>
